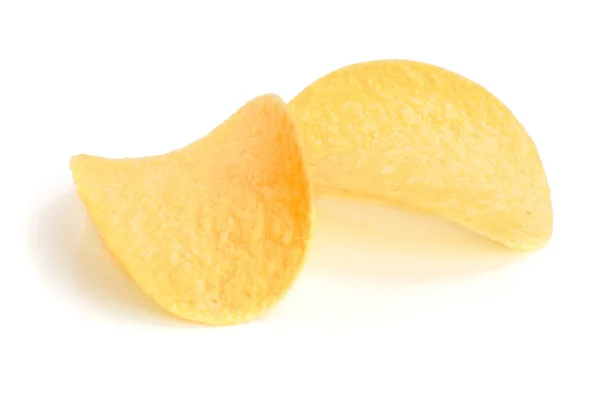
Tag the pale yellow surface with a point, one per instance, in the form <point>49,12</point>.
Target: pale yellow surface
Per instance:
<point>425,139</point>
<point>216,232</point>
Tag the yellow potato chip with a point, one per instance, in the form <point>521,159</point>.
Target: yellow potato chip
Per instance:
<point>215,232</point>
<point>425,139</point>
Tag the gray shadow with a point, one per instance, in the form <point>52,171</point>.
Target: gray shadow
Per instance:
<point>72,258</point>
<point>354,238</point>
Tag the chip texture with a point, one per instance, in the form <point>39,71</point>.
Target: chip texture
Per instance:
<point>428,140</point>
<point>215,232</point>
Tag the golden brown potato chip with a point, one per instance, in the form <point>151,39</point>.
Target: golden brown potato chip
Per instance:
<point>215,232</point>
<point>425,139</point>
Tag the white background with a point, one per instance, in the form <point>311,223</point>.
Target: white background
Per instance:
<point>417,309</point>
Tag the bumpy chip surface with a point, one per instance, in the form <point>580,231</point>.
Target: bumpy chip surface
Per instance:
<point>425,139</point>
<point>215,232</point>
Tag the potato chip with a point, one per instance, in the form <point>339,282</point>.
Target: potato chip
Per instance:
<point>215,232</point>
<point>425,139</point>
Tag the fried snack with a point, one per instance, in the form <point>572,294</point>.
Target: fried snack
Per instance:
<point>427,140</point>
<point>215,232</point>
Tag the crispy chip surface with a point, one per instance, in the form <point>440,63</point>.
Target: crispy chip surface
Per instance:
<point>428,140</point>
<point>215,232</point>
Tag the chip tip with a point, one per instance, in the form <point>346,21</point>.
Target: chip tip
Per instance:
<point>76,160</point>
<point>73,160</point>
<point>272,97</point>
